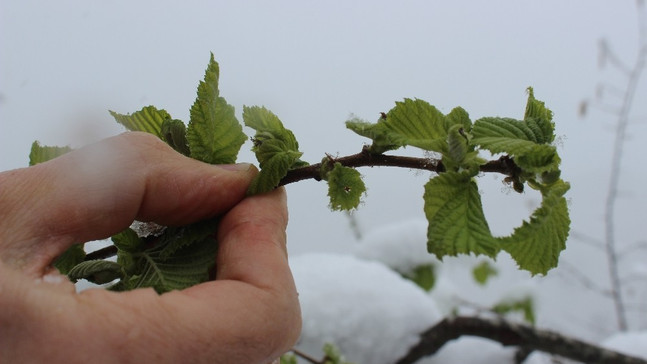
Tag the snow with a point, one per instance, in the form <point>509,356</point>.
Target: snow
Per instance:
<point>368,311</point>
<point>631,343</point>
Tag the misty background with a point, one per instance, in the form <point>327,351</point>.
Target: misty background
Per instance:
<point>315,64</point>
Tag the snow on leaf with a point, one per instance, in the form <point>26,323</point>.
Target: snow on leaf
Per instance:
<point>149,119</point>
<point>537,243</point>
<point>42,153</point>
<point>345,187</point>
<point>457,224</point>
<point>214,134</point>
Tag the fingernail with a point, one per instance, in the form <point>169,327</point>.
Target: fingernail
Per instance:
<point>238,167</point>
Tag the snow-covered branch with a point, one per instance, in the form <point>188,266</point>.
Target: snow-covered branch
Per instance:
<point>507,333</point>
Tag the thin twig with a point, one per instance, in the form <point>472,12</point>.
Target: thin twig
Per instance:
<point>615,172</point>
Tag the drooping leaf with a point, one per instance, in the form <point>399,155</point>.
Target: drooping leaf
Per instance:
<point>537,243</point>
<point>96,271</point>
<point>345,188</point>
<point>214,134</point>
<point>457,224</point>
<point>70,258</point>
<point>42,153</point>
<point>174,134</point>
<point>149,119</point>
<point>276,148</point>
<point>483,272</point>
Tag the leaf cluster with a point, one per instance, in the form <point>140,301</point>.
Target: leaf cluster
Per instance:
<point>184,256</point>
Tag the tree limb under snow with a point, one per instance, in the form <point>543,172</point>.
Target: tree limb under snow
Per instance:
<point>512,334</point>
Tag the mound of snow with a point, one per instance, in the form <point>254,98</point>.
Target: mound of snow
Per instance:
<point>630,343</point>
<point>367,310</point>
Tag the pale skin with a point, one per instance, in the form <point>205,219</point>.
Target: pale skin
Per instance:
<point>249,314</point>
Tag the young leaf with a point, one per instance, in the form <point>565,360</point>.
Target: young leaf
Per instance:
<point>214,134</point>
<point>149,119</point>
<point>40,153</point>
<point>345,188</point>
<point>517,138</point>
<point>127,240</point>
<point>96,271</point>
<point>483,272</point>
<point>457,224</point>
<point>70,258</point>
<point>536,244</point>
<point>276,148</point>
<point>378,132</point>
<point>174,134</point>
<point>188,266</point>
<point>540,117</point>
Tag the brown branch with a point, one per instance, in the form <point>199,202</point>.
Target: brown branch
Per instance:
<point>504,165</point>
<point>512,334</point>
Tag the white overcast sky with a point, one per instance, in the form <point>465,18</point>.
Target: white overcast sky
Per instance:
<point>64,63</point>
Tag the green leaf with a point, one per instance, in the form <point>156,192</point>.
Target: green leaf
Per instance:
<point>524,305</point>
<point>149,119</point>
<point>379,133</point>
<point>483,272</point>
<point>345,188</point>
<point>276,148</point>
<point>127,240</point>
<point>96,271</point>
<point>457,224</point>
<point>188,265</point>
<point>518,139</point>
<point>423,275</point>
<point>289,359</point>
<point>214,134</point>
<point>537,243</point>
<point>40,153</point>
<point>458,116</point>
<point>333,355</point>
<point>539,116</point>
<point>174,134</point>
<point>70,258</point>
<point>457,146</point>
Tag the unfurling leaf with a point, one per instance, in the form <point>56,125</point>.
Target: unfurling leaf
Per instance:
<point>41,153</point>
<point>70,258</point>
<point>457,224</point>
<point>345,188</point>
<point>174,134</point>
<point>276,148</point>
<point>214,134</point>
<point>537,243</point>
<point>149,119</point>
<point>519,140</point>
<point>96,271</point>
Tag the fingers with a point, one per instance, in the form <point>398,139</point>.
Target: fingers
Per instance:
<point>98,190</point>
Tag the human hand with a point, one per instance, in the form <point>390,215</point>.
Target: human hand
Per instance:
<point>249,314</point>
